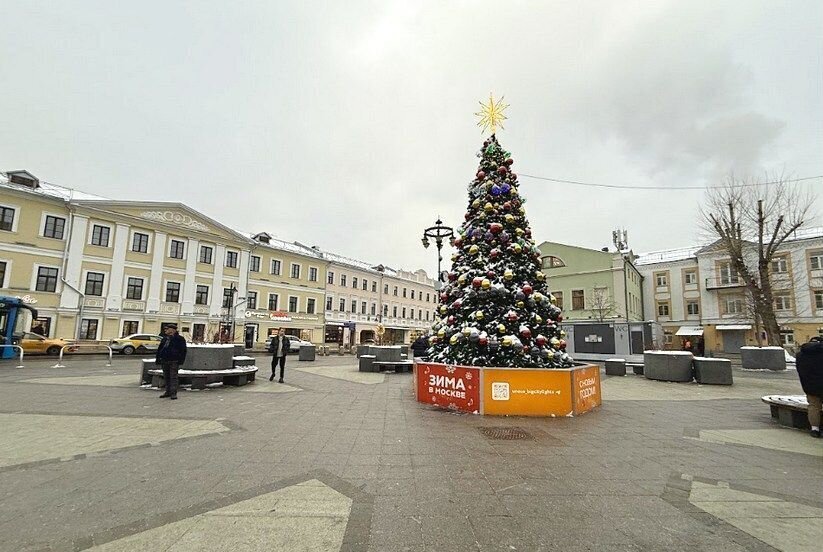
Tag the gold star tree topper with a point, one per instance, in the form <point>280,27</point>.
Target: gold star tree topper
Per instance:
<point>491,114</point>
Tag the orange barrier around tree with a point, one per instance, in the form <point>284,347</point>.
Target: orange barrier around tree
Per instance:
<point>509,391</point>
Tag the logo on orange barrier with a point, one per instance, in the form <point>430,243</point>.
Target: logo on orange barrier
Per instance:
<point>586,389</point>
<point>452,387</point>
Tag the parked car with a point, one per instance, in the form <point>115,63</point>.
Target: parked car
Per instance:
<point>294,343</point>
<point>34,343</point>
<point>141,343</point>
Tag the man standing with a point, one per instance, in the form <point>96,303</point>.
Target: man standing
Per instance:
<point>279,349</point>
<point>810,371</point>
<point>170,355</point>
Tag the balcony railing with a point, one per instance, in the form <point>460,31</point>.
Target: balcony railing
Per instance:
<point>723,282</point>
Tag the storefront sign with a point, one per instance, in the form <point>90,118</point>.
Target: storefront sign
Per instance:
<point>586,389</point>
<point>527,392</point>
<point>27,300</point>
<point>452,387</point>
<point>278,316</point>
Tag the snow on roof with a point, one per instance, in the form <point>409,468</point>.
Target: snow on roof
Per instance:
<point>807,233</point>
<point>51,190</point>
<point>666,255</point>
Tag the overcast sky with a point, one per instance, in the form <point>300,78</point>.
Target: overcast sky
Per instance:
<point>350,124</point>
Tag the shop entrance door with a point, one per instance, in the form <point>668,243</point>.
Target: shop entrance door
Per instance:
<point>199,333</point>
<point>251,330</point>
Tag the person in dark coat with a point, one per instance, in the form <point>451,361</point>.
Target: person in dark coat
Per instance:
<point>420,345</point>
<point>170,355</point>
<point>810,371</point>
<point>279,349</point>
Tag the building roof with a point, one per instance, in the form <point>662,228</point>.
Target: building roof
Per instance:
<point>666,255</point>
<point>48,189</point>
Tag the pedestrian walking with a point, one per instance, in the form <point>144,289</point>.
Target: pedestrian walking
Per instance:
<point>170,355</point>
<point>279,349</point>
<point>420,345</point>
<point>810,371</point>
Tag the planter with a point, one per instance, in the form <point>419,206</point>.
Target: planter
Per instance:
<point>763,358</point>
<point>209,356</point>
<point>509,391</point>
<point>713,371</point>
<point>307,352</point>
<point>615,367</point>
<point>667,365</point>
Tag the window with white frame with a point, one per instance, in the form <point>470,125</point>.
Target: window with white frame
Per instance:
<point>373,309</point>
<point>254,264</point>
<point>779,265</point>
<point>3,270</point>
<point>343,280</point>
<point>329,301</point>
<point>201,296</point>
<point>353,305</point>
<point>206,253</point>
<point>661,279</point>
<point>276,267</point>
<point>787,336</point>
<point>816,260</point>
<point>100,235</point>
<point>46,279</point>
<point>668,337</point>
<point>693,307</point>
<point>310,305</point>
<point>251,300</point>
<point>363,307</point>
<point>727,274</point>
<point>374,287</point>
<point>403,312</point>
<point>177,249</point>
<point>88,328</point>
<point>231,259</point>
<point>53,227</point>
<point>172,292</point>
<point>292,304</point>
<point>7,218</point>
<point>140,242</point>
<point>690,277</point>
<point>330,277</point>
<point>295,270</point>
<point>404,293</point>
<point>354,282</point>
<point>663,308</point>
<point>228,297</point>
<point>130,327</point>
<point>342,305</point>
<point>818,299</point>
<point>312,274</point>
<point>365,285</point>
<point>94,283</point>
<point>734,305</point>
<point>134,288</point>
<point>394,312</point>
<point>782,300</point>
<point>274,301</point>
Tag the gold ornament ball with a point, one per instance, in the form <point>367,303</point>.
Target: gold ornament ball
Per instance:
<point>562,333</point>
<point>507,341</point>
<point>538,319</point>
<point>441,332</point>
<point>443,309</point>
<point>519,231</point>
<point>522,210</point>
<point>552,299</point>
<point>479,315</point>
<point>538,297</point>
<point>508,274</point>
<point>501,328</point>
<point>488,207</point>
<point>555,342</point>
<point>474,250</point>
<point>517,248</point>
<point>540,276</point>
<point>509,218</point>
<point>486,284</point>
<point>462,278</point>
<point>476,203</point>
<point>467,331</point>
<point>453,339</point>
<point>550,354</point>
<point>520,304</point>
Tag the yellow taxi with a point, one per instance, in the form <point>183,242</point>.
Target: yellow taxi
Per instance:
<point>34,343</point>
<point>141,343</point>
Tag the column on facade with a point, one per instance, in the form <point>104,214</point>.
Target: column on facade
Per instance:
<point>114,300</point>
<point>69,298</point>
<point>190,283</point>
<point>156,279</point>
<point>242,285</point>
<point>216,299</point>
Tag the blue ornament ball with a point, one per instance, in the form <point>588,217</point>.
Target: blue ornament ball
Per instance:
<point>496,190</point>
<point>505,188</point>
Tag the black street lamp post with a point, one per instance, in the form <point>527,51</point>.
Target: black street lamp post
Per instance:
<point>438,232</point>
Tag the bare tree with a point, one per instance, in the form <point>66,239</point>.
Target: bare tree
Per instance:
<point>750,221</point>
<point>601,305</point>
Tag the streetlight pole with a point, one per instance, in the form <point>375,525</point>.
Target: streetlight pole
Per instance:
<point>439,232</point>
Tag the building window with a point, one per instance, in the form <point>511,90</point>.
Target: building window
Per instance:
<point>343,280</point>
<point>354,282</point>
<point>385,310</point>
<point>553,262</point>
<point>130,327</point>
<point>663,308</point>
<point>201,296</point>
<point>312,274</point>
<point>427,298</point>
<point>342,305</point>
<point>328,303</point>
<point>134,288</point>
<point>668,337</point>
<point>558,299</point>
<point>782,300</point>
<point>412,294</point>
<point>251,300</point>
<point>292,304</point>
<point>3,266</point>
<point>310,305</point>
<point>295,270</point>
<point>395,291</point>
<point>780,265</point>
<point>394,312</point>
<point>330,277</point>
<point>176,249</point>
<point>46,279</point>
<point>427,316</point>
<point>276,267</point>
<point>690,277</point>
<point>205,254</point>
<point>54,227</point>
<point>727,275</point>
<point>385,289</point>
<point>228,297</point>
<point>45,326</point>
<point>140,243</point>
<point>734,306</point>
<point>816,260</point>
<point>787,337</point>
<point>374,287</point>
<point>692,307</point>
<point>578,299</point>
<point>100,235</point>
<point>818,299</point>
<point>274,299</point>
<point>88,328</point>
<point>254,266</point>
<point>94,284</point>
<point>363,307</point>
<point>231,259</point>
<point>662,280</point>
<point>419,314</point>
<point>6,218</point>
<point>373,309</point>
<point>353,306</point>
<point>173,292</point>
<point>365,285</point>
<point>403,312</point>
<point>404,293</point>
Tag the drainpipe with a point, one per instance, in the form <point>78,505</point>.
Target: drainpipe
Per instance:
<point>625,290</point>
<point>82,295</point>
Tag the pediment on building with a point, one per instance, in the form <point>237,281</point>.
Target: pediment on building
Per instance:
<point>172,216</point>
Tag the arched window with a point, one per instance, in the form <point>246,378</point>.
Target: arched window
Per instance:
<point>553,262</point>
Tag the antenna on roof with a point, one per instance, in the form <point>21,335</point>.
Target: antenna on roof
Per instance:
<point>620,239</point>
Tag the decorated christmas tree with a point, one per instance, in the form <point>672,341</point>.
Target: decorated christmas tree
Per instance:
<point>496,308</point>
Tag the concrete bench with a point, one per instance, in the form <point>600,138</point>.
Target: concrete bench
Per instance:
<point>667,365</point>
<point>615,367</point>
<point>398,366</point>
<point>199,379</point>
<point>763,358</point>
<point>789,410</point>
<point>713,371</point>
<point>637,368</point>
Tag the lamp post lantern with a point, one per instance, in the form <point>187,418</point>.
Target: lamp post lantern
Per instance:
<point>438,232</point>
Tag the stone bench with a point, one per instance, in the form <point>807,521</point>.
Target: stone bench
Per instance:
<point>667,366</point>
<point>789,410</point>
<point>637,368</point>
<point>366,363</point>
<point>763,358</point>
<point>199,379</point>
<point>615,367</point>
<point>398,366</point>
<point>713,371</point>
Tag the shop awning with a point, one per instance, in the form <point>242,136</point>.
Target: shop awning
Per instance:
<point>734,327</point>
<point>690,330</point>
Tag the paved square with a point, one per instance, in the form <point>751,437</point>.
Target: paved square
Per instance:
<point>332,460</point>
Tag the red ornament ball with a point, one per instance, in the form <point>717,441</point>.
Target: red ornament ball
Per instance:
<point>507,206</point>
<point>494,253</point>
<point>527,289</point>
<point>483,341</point>
<point>452,276</point>
<point>540,340</point>
<point>495,227</point>
<point>562,344</point>
<point>457,304</point>
<point>511,316</point>
<point>481,175</point>
<point>477,282</point>
<point>502,169</point>
<point>450,320</point>
<point>491,274</point>
<point>509,161</point>
<point>444,297</point>
<point>525,333</point>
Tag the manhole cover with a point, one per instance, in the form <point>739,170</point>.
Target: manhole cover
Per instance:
<point>506,433</point>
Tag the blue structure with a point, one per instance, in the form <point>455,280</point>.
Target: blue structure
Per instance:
<point>15,318</point>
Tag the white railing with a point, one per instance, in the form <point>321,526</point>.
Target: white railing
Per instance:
<point>21,352</point>
<point>64,347</point>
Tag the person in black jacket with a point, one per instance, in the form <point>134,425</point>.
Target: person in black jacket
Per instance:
<point>810,371</point>
<point>420,345</point>
<point>170,355</point>
<point>279,349</point>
